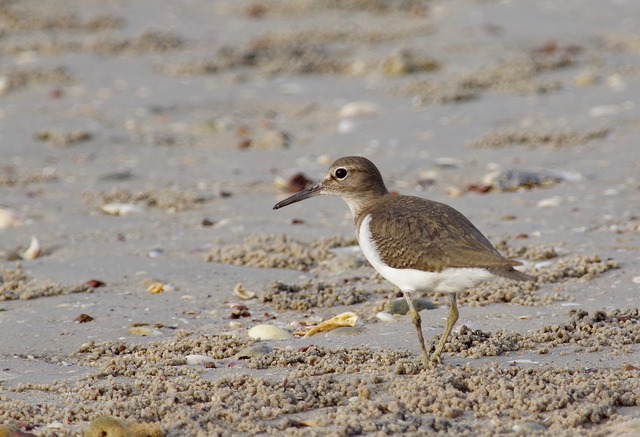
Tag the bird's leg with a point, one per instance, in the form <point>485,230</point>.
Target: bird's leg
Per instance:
<point>417,322</point>
<point>452,318</point>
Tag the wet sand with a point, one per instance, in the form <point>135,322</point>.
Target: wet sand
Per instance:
<point>144,145</point>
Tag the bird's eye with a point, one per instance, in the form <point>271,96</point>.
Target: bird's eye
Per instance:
<point>341,173</point>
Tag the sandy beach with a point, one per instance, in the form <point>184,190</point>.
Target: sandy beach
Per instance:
<point>143,145</point>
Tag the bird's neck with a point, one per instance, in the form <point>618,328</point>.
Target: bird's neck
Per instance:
<point>361,203</point>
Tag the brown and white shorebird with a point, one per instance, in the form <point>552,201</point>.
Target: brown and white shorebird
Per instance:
<point>416,244</point>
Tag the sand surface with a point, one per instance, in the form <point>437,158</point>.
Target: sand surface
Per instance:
<point>195,115</point>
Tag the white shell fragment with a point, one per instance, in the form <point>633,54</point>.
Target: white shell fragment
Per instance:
<point>550,202</point>
<point>385,317</point>
<point>268,332</point>
<point>33,251</point>
<point>359,109</point>
<point>8,218</point>
<point>198,360</point>
<point>242,293</point>
<point>122,209</point>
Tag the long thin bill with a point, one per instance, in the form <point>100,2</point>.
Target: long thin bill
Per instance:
<point>300,195</point>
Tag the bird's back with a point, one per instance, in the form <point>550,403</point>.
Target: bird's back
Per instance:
<point>415,233</point>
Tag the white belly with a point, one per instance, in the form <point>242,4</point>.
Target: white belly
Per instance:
<point>450,280</point>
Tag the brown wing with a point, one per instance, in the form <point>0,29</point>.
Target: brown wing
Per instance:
<point>416,233</point>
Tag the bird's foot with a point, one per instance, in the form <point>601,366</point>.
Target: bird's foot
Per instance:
<point>430,362</point>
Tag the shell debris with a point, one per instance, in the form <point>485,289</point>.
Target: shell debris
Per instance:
<point>159,287</point>
<point>33,251</point>
<point>344,319</point>
<point>122,208</point>
<point>242,293</point>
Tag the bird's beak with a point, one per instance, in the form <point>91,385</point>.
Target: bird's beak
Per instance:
<point>301,195</point>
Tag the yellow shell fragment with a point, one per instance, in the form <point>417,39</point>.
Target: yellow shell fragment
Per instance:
<point>240,292</point>
<point>34,250</point>
<point>109,427</point>
<point>156,287</point>
<point>143,331</point>
<point>345,319</point>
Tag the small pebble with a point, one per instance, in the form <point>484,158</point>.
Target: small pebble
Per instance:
<point>155,253</point>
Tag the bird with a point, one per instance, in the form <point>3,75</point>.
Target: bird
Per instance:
<point>417,244</point>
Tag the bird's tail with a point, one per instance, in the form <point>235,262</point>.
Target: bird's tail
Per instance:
<point>513,274</point>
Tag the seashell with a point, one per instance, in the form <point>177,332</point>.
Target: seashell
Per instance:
<point>198,360</point>
<point>359,109</point>
<point>122,208</point>
<point>344,319</point>
<point>159,287</point>
<point>269,332</point>
<point>33,251</point>
<point>8,218</point>
<point>385,317</point>
<point>636,279</point>
<point>240,292</point>
<point>550,202</point>
<point>144,331</point>
<point>155,253</point>
<point>105,426</point>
